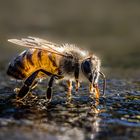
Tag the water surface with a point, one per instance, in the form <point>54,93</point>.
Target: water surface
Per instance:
<point>119,117</point>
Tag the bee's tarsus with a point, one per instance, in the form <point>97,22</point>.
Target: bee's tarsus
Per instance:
<point>33,97</point>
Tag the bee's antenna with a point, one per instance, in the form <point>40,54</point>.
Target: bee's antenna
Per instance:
<point>104,82</point>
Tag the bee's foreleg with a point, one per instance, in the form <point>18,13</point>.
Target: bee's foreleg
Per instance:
<point>95,94</point>
<point>49,90</point>
<point>69,84</point>
<point>27,85</point>
<point>91,91</point>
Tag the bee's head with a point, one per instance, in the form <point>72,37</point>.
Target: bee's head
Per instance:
<point>91,68</point>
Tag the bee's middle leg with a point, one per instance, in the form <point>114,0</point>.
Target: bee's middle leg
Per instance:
<point>69,84</point>
<point>77,85</point>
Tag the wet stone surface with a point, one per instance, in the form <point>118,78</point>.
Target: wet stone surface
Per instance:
<point>119,116</point>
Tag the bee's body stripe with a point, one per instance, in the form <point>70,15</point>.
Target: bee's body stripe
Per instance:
<point>39,54</point>
<point>29,57</point>
<point>31,60</point>
<point>52,59</point>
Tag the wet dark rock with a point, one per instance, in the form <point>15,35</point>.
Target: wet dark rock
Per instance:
<point>119,117</point>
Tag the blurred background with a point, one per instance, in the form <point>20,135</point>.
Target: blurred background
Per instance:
<point>109,28</point>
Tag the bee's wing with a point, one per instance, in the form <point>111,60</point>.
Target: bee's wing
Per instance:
<point>37,43</point>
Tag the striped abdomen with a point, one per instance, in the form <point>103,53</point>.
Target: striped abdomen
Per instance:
<point>31,60</point>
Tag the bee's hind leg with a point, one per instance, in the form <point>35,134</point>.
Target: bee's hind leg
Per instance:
<point>49,90</point>
<point>27,86</point>
<point>16,90</point>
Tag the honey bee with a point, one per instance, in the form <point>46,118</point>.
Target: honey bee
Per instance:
<point>44,59</point>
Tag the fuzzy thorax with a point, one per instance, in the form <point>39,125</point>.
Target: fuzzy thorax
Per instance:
<point>76,55</point>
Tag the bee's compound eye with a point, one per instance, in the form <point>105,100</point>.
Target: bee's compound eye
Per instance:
<point>86,67</point>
